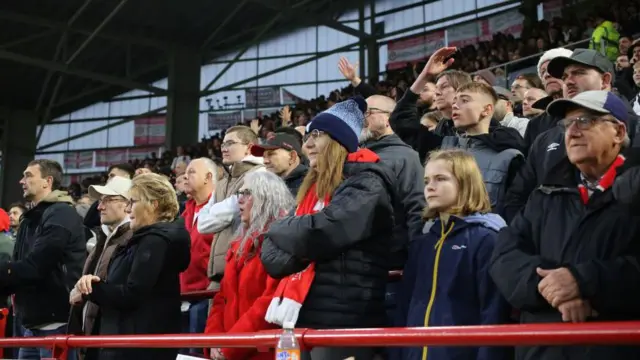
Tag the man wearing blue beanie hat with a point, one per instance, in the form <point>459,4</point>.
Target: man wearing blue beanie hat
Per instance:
<point>343,122</point>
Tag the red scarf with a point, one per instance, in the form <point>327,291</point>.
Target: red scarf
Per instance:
<point>605,181</point>
<point>292,290</point>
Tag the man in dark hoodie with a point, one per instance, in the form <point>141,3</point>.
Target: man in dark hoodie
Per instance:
<point>583,70</point>
<point>48,257</point>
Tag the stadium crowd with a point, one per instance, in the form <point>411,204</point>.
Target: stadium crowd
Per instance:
<point>500,206</point>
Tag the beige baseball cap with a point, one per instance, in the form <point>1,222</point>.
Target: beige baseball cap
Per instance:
<point>116,186</point>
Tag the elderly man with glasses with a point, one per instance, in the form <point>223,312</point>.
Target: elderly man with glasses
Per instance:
<point>572,254</point>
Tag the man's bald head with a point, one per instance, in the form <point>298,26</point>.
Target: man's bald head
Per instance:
<point>201,175</point>
<point>381,102</point>
<point>379,109</point>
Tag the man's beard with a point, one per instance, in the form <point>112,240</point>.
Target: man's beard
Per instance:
<point>365,135</point>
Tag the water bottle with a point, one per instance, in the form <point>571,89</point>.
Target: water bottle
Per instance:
<point>288,348</point>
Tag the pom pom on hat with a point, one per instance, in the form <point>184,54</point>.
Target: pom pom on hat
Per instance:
<point>343,122</point>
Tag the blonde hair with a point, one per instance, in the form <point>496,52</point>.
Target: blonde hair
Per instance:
<point>156,188</point>
<point>455,78</point>
<point>328,174</point>
<point>472,193</point>
<point>480,88</point>
<point>244,133</point>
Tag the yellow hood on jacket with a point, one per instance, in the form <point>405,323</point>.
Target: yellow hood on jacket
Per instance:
<point>58,196</point>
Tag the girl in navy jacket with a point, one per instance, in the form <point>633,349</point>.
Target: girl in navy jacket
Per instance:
<point>446,280</point>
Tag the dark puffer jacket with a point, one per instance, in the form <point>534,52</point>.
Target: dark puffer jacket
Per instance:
<point>349,241</point>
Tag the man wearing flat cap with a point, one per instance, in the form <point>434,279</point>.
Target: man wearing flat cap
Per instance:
<point>572,254</point>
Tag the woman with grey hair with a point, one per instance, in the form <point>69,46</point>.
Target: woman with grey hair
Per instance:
<point>246,289</point>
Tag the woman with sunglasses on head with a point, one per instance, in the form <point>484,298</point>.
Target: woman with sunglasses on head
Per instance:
<point>332,253</point>
<point>141,291</point>
<point>246,289</point>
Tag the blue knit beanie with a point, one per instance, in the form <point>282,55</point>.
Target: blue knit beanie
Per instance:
<point>343,122</point>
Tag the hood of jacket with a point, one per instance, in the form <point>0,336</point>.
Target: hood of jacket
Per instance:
<point>491,221</point>
<point>299,172</point>
<point>58,196</point>
<point>366,160</point>
<point>502,138</point>
<point>385,142</point>
<point>245,165</point>
<point>176,235</point>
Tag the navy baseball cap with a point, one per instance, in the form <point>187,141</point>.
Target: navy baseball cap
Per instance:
<point>586,57</point>
<point>600,101</point>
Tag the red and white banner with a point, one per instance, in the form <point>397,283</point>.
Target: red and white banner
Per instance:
<point>468,33</point>
<point>106,158</point>
<point>150,131</point>
<point>85,160</point>
<point>70,160</point>
<point>552,9</point>
<point>509,23</point>
<point>401,52</point>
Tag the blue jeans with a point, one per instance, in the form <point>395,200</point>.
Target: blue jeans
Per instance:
<point>40,353</point>
<point>194,322</point>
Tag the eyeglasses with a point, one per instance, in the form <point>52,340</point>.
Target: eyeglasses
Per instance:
<point>373,110</point>
<point>230,143</point>
<point>583,122</point>
<point>132,202</point>
<point>110,199</point>
<point>243,193</point>
<point>315,134</point>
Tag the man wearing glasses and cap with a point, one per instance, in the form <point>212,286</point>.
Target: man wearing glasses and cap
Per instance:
<point>282,156</point>
<point>572,254</point>
<point>584,70</point>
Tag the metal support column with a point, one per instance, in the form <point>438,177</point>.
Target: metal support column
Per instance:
<point>183,102</point>
<point>361,48</point>
<point>18,149</point>
<point>373,53</point>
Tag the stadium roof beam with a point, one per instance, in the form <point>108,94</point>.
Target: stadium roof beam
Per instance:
<point>27,39</point>
<point>256,39</point>
<point>56,89</point>
<point>222,25</point>
<point>319,55</point>
<point>56,66</point>
<point>121,38</point>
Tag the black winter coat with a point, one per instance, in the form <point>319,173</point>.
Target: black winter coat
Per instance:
<point>141,294</point>
<point>49,254</point>
<point>294,180</point>
<point>598,243</point>
<point>349,241</point>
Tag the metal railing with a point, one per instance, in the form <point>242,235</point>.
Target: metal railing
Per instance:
<point>605,333</point>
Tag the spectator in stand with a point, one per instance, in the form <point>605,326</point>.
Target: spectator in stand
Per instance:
<point>605,37</point>
<point>246,289</point>
<point>220,215</point>
<point>181,157</point>
<point>503,111</point>
<point>551,263</point>
<point>450,285</point>
<point>485,76</point>
<point>115,232</point>
<point>530,97</point>
<point>519,86</point>
<point>553,87</point>
<point>344,189</point>
<point>50,251</point>
<point>92,217</point>
<point>635,102</point>
<point>15,215</point>
<point>584,70</point>
<point>182,190</point>
<point>6,242</point>
<point>431,119</point>
<point>201,184</point>
<point>404,162</point>
<point>282,156</point>
<point>145,170</point>
<point>405,120</point>
<point>141,291</point>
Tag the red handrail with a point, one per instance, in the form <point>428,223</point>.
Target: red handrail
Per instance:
<point>605,333</point>
<point>394,275</point>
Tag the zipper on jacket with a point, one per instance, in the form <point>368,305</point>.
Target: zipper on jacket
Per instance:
<point>434,280</point>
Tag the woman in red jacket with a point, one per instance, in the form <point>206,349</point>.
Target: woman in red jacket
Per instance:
<point>246,290</point>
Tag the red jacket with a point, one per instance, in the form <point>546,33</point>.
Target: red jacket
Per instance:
<point>195,277</point>
<point>241,304</point>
